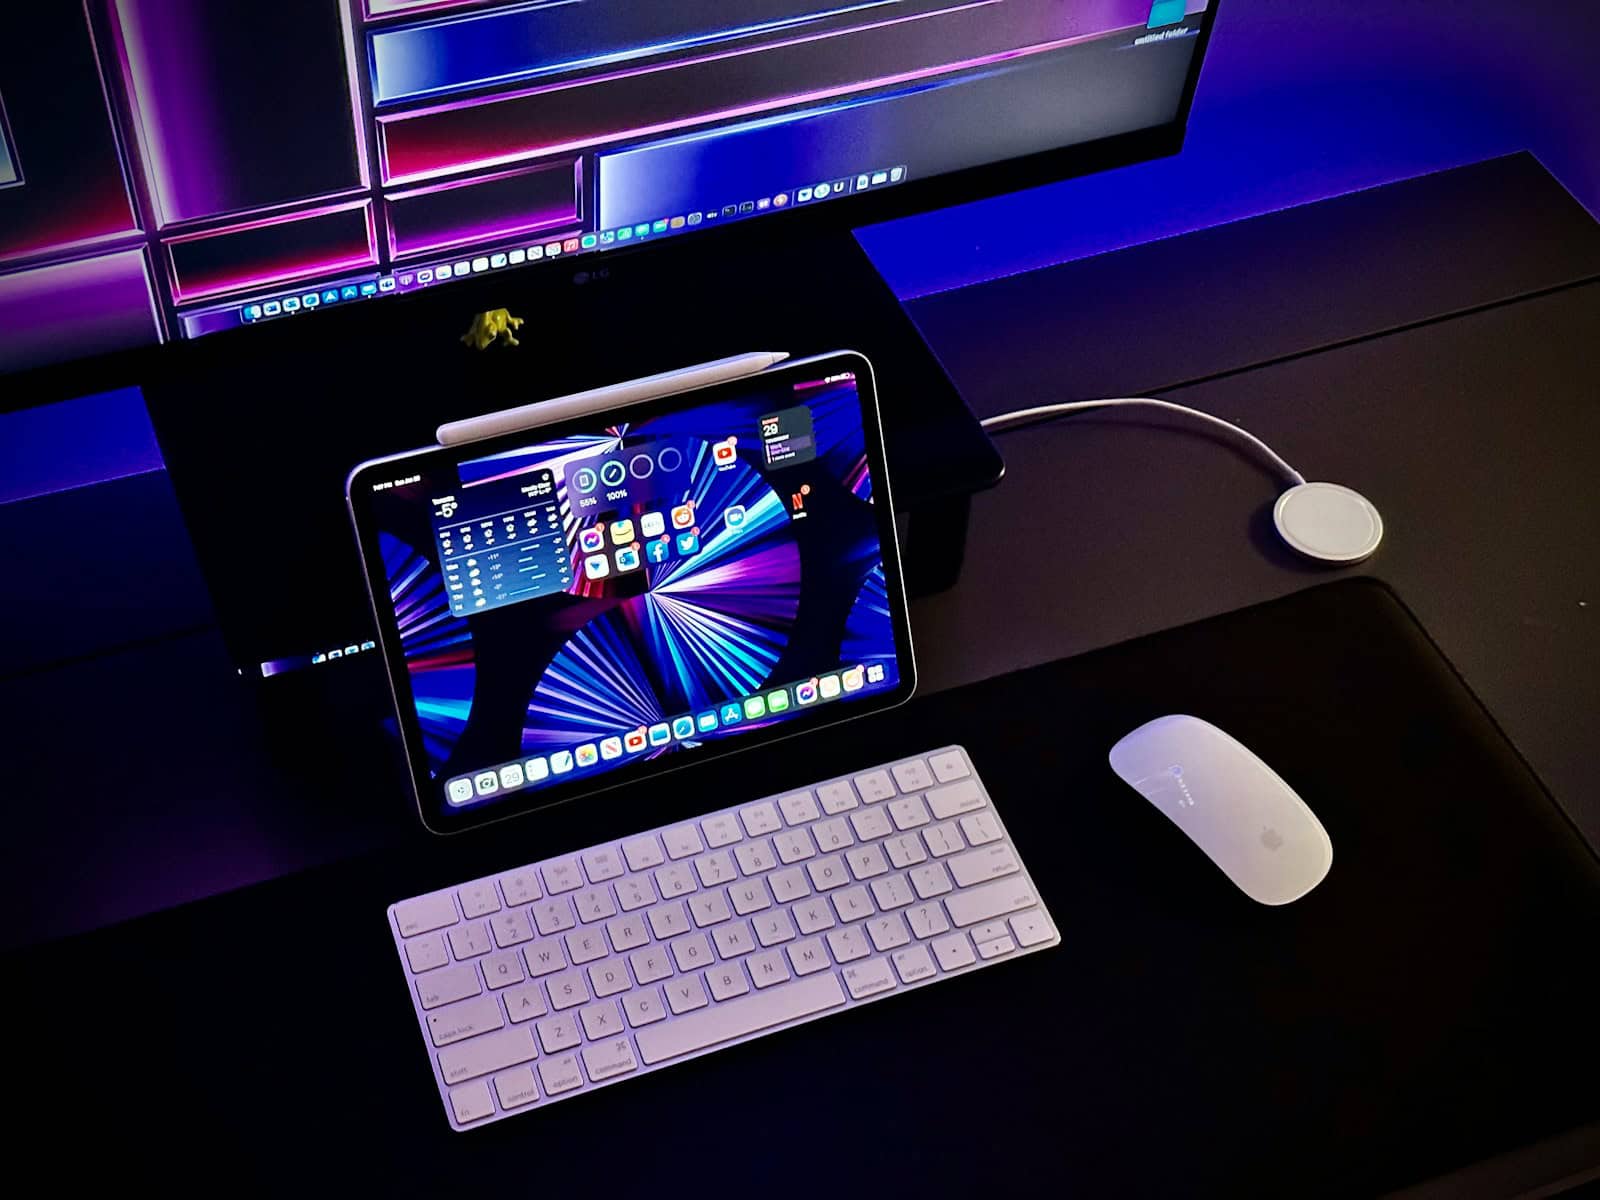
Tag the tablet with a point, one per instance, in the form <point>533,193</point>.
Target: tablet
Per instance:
<point>590,602</point>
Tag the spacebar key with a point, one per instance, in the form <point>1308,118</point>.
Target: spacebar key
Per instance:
<point>737,1018</point>
<point>989,901</point>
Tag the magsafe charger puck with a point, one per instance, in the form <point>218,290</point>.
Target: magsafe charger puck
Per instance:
<point>1328,522</point>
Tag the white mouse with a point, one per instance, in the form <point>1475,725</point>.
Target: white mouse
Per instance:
<point>1230,803</point>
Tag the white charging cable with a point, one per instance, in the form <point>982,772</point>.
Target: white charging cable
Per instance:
<point>1043,412</point>
<point>1325,521</point>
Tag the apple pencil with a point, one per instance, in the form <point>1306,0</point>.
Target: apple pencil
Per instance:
<point>616,395</point>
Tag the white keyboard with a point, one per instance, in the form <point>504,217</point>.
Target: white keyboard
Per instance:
<point>570,974</point>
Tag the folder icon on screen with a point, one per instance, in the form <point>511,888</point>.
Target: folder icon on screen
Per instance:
<point>1167,12</point>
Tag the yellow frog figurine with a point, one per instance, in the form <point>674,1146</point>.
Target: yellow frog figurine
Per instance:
<point>487,328</point>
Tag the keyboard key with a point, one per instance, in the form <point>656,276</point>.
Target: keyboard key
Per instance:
<point>955,798</point>
<point>520,887</point>
<point>871,824</point>
<point>869,978</point>
<point>833,835</point>
<point>768,968</point>
<point>809,957</point>
<point>560,1074</point>
<point>852,904</point>
<point>503,969</point>
<point>610,977</point>
<point>425,914</point>
<point>486,1053</point>
<point>788,886</point>
<point>586,945</point>
<point>594,904</point>
<point>650,964</point>
<point>908,812</point>
<point>930,881</point>
<point>892,891</point>
<point>544,958</point>
<point>954,952</point>
<point>644,1007</point>
<point>709,908</point>
<point>1031,928</point>
<point>799,808</point>
<point>601,1020</point>
<point>669,920</point>
<point>626,933</point>
<point>756,857</point>
<point>763,1010</point>
<point>948,766</point>
<point>685,994</point>
<point>794,845</point>
<point>943,839</point>
<point>469,940</point>
<point>989,901</point>
<point>813,916</point>
<point>635,893</point>
<point>727,981</point>
<point>837,797</point>
<point>981,829</point>
<point>471,1103</point>
<point>447,985</point>
<point>469,1018</point>
<point>562,875</point>
<point>554,915</point>
<point>568,990</point>
<point>516,1087</point>
<point>714,869</point>
<point>905,850</point>
<point>692,952</point>
<point>558,1033</point>
<point>887,932</point>
<point>525,1002</point>
<point>995,947</point>
<point>681,841</point>
<point>774,928</point>
<point>510,928</point>
<point>912,775</point>
<point>875,786</point>
<point>927,920</point>
<point>606,1059</point>
<point>643,853</point>
<point>847,945</point>
<point>426,953</point>
<point>721,831</point>
<point>980,866</point>
<point>675,879</point>
<point>760,819</point>
<point>866,861</point>
<point>734,940</point>
<point>601,864</point>
<point>479,899</point>
<point>913,963</point>
<point>749,897</point>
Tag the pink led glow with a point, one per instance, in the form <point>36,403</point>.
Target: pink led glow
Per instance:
<point>402,245</point>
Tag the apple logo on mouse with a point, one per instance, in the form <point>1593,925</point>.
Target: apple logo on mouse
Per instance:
<point>1271,838</point>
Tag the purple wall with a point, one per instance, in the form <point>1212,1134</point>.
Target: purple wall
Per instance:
<point>1301,101</point>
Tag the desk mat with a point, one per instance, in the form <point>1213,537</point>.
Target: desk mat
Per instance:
<point>1431,1003</point>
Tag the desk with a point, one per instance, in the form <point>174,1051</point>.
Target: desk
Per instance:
<point>1431,354</point>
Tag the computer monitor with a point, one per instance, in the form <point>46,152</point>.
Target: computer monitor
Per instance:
<point>172,168</point>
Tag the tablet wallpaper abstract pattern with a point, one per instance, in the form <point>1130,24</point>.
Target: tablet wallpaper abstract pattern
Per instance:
<point>718,562</point>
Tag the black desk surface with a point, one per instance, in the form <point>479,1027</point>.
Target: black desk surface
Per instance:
<point>1430,1002</point>
<point>1431,344</point>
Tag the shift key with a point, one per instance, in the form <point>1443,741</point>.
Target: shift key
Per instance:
<point>485,1053</point>
<point>989,901</point>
